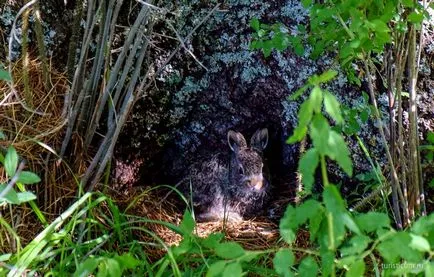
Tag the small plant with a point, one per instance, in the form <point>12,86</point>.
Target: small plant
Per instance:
<point>327,142</point>
<point>15,176</point>
<point>362,34</point>
<point>356,116</point>
<point>275,36</point>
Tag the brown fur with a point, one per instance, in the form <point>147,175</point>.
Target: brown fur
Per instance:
<point>234,188</point>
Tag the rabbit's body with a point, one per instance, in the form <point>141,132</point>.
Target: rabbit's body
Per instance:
<point>235,187</point>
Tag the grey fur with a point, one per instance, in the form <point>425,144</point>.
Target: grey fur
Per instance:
<point>235,188</point>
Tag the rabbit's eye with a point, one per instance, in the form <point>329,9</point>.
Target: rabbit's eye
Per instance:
<point>240,170</point>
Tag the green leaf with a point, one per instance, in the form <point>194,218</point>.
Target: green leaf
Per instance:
<point>267,48</point>
<point>233,270</point>
<point>364,116</point>
<point>25,196</point>
<point>355,43</point>
<point>298,46</point>
<point>307,167</point>
<point>332,107</point>
<point>380,26</point>
<point>319,132</point>
<point>27,178</point>
<point>327,261</point>
<point>397,246</point>
<point>262,32</point>
<point>372,221</point>
<point>419,243</point>
<point>11,161</point>
<point>229,250</point>
<point>408,3</point>
<point>10,197</point>
<point>365,97</point>
<point>356,245</point>
<point>212,240</point>
<point>306,211</point>
<point>282,262</point>
<point>127,261</point>
<point>356,269</point>
<point>87,267</point>
<point>2,135</point>
<point>5,257</point>
<point>352,126</point>
<point>318,49</point>
<point>409,269</point>
<point>305,113</point>
<point>415,17</point>
<point>381,38</point>
<point>333,200</point>
<point>187,224</point>
<point>337,150</point>
<point>299,133</point>
<point>327,76</point>
<point>248,257</point>
<point>287,225</point>
<point>346,53</point>
<point>109,267</point>
<point>298,92</point>
<point>424,225</point>
<point>430,137</point>
<point>315,223</point>
<point>306,3</point>
<point>280,41</point>
<point>315,99</point>
<point>301,28</point>
<point>5,76</point>
<point>254,23</point>
<point>186,245</point>
<point>350,223</point>
<point>345,262</point>
<point>429,267</point>
<point>335,207</point>
<point>256,44</point>
<point>308,267</point>
<point>216,268</point>
<point>304,117</point>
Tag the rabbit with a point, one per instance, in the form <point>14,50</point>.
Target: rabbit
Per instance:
<point>236,188</point>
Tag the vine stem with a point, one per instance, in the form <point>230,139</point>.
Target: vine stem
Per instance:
<point>344,25</point>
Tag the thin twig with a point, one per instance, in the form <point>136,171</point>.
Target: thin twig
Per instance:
<point>168,59</point>
<point>185,47</point>
<point>395,189</point>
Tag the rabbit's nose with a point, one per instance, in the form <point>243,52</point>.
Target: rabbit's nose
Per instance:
<point>257,182</point>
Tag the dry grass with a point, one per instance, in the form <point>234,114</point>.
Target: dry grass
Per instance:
<point>256,234</point>
<point>36,136</point>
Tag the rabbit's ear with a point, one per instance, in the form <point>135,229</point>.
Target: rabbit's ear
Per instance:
<point>259,139</point>
<point>236,140</point>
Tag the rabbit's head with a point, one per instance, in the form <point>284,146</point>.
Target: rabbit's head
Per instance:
<point>247,163</point>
